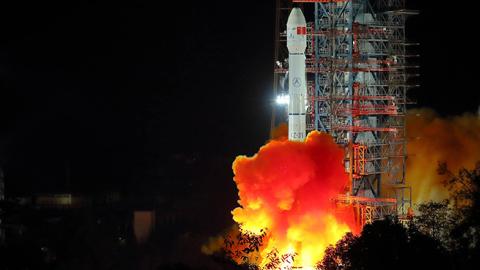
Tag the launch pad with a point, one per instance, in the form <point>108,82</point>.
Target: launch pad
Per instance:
<point>358,72</point>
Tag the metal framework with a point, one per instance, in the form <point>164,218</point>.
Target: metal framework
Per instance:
<point>368,209</point>
<point>358,80</point>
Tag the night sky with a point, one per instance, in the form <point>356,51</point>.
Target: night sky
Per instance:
<point>108,94</point>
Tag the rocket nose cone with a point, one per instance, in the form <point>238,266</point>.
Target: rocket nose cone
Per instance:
<point>296,17</point>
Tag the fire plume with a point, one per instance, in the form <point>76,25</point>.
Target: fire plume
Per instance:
<point>287,189</point>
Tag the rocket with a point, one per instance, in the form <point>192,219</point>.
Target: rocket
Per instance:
<point>297,86</point>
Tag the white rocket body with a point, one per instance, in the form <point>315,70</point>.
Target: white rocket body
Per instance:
<point>297,86</point>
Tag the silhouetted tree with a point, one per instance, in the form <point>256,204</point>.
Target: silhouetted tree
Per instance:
<point>337,256</point>
<point>465,234</point>
<point>275,261</point>
<point>386,244</point>
<point>437,220</point>
<point>243,247</point>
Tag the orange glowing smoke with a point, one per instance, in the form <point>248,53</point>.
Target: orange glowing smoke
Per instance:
<point>280,132</point>
<point>432,140</point>
<point>287,188</point>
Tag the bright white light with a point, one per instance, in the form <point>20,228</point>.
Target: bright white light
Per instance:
<point>283,99</point>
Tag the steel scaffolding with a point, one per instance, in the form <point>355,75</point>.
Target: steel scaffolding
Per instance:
<point>358,76</point>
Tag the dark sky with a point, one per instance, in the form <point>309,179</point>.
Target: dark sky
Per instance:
<point>449,62</point>
<point>109,90</point>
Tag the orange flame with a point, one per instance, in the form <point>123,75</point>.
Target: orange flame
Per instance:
<point>455,140</point>
<point>287,188</point>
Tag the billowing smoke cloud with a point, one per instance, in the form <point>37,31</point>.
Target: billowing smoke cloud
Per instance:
<point>432,139</point>
<point>288,188</point>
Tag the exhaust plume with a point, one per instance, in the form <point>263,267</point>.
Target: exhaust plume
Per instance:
<point>286,189</point>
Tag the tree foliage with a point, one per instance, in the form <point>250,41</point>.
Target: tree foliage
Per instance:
<point>436,219</point>
<point>243,247</point>
<point>385,244</point>
<point>465,233</point>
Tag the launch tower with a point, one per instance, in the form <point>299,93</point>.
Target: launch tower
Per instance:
<point>358,72</point>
